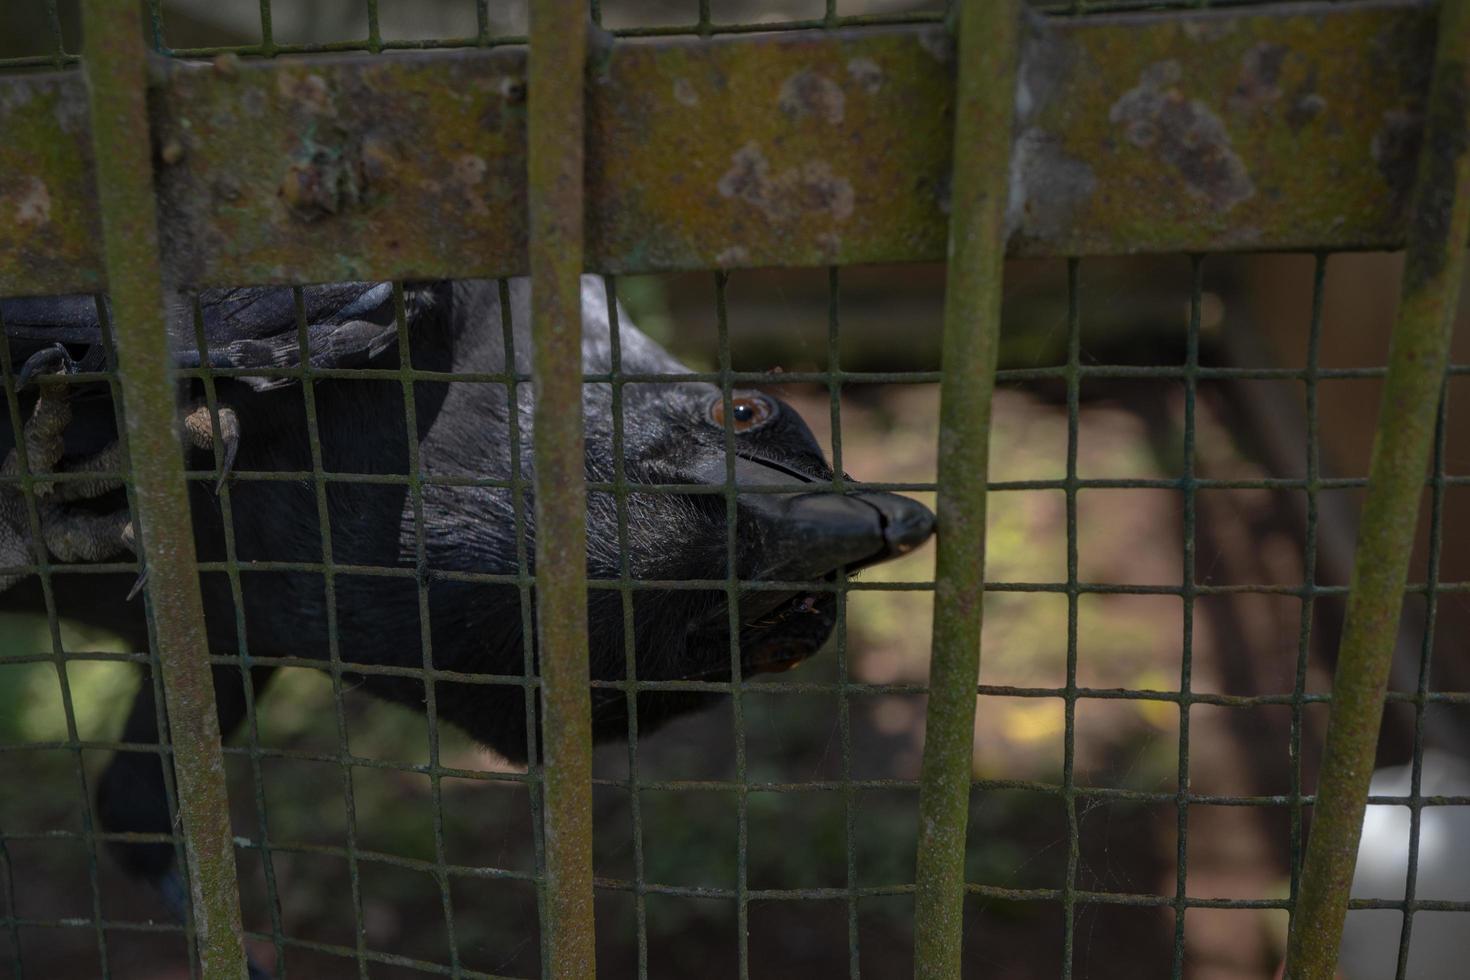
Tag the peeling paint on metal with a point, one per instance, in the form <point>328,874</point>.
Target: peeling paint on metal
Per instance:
<point>1048,187</point>
<point>1329,159</point>
<point>735,255</point>
<point>866,74</point>
<point>1257,87</point>
<point>938,43</point>
<point>808,94</point>
<point>1395,149</point>
<point>791,195</point>
<point>1184,133</point>
<point>33,206</point>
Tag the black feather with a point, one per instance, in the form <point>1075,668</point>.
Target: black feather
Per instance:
<point>466,429</point>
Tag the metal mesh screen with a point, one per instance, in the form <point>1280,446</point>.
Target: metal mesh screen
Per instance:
<point>1060,875</point>
<point>265,28</point>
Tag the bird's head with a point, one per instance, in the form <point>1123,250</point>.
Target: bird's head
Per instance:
<point>744,455</point>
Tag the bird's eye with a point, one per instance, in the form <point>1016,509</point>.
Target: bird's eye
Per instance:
<point>746,412</point>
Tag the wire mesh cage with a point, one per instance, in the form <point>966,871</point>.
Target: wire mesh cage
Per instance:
<point>1176,462</point>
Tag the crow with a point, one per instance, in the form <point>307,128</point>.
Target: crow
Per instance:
<point>458,537</point>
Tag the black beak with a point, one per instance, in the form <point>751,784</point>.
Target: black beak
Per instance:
<point>805,536</point>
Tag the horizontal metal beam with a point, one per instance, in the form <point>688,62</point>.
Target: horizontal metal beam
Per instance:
<point>1294,126</point>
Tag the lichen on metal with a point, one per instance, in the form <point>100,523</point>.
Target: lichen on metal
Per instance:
<point>115,73</point>
<point>343,167</point>
<point>1262,128</point>
<point>1438,225</point>
<point>989,52</point>
<point>49,237</point>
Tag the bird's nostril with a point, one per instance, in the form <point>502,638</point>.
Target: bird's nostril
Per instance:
<point>907,526</point>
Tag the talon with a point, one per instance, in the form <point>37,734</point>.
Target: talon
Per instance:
<point>55,359</point>
<point>199,425</point>
<point>50,416</point>
<point>138,584</point>
<point>129,541</point>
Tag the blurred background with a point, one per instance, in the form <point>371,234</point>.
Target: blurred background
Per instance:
<point>1253,311</point>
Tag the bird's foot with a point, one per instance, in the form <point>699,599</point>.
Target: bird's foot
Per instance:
<point>42,439</point>
<point>83,534</point>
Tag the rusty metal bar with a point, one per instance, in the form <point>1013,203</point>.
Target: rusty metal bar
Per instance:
<point>1278,127</point>
<point>1439,221</point>
<point>985,99</point>
<point>558,50</point>
<point>116,73</point>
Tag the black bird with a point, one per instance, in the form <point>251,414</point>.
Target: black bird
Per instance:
<point>465,434</point>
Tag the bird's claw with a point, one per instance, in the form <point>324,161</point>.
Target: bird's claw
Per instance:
<point>55,359</point>
<point>200,426</point>
<point>74,534</point>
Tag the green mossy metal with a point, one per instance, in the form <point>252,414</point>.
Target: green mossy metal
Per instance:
<point>115,71</point>
<point>1265,128</point>
<point>556,124</point>
<point>1439,221</point>
<point>989,53</point>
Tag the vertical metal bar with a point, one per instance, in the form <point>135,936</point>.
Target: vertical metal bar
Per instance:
<point>1439,222</point>
<point>1421,694</point>
<point>535,771</point>
<point>558,49</point>
<point>426,631</point>
<point>1074,593</point>
<point>839,633</point>
<point>28,481</point>
<point>267,31</point>
<point>1187,593</point>
<point>12,912</point>
<point>117,78</point>
<point>334,635</point>
<point>1309,571</point>
<point>989,40</point>
<point>247,673</point>
<point>732,608</point>
<point>630,647</point>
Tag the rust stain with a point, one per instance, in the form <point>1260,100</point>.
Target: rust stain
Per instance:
<point>1185,134</point>
<point>811,188</point>
<point>807,93</point>
<point>323,183</point>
